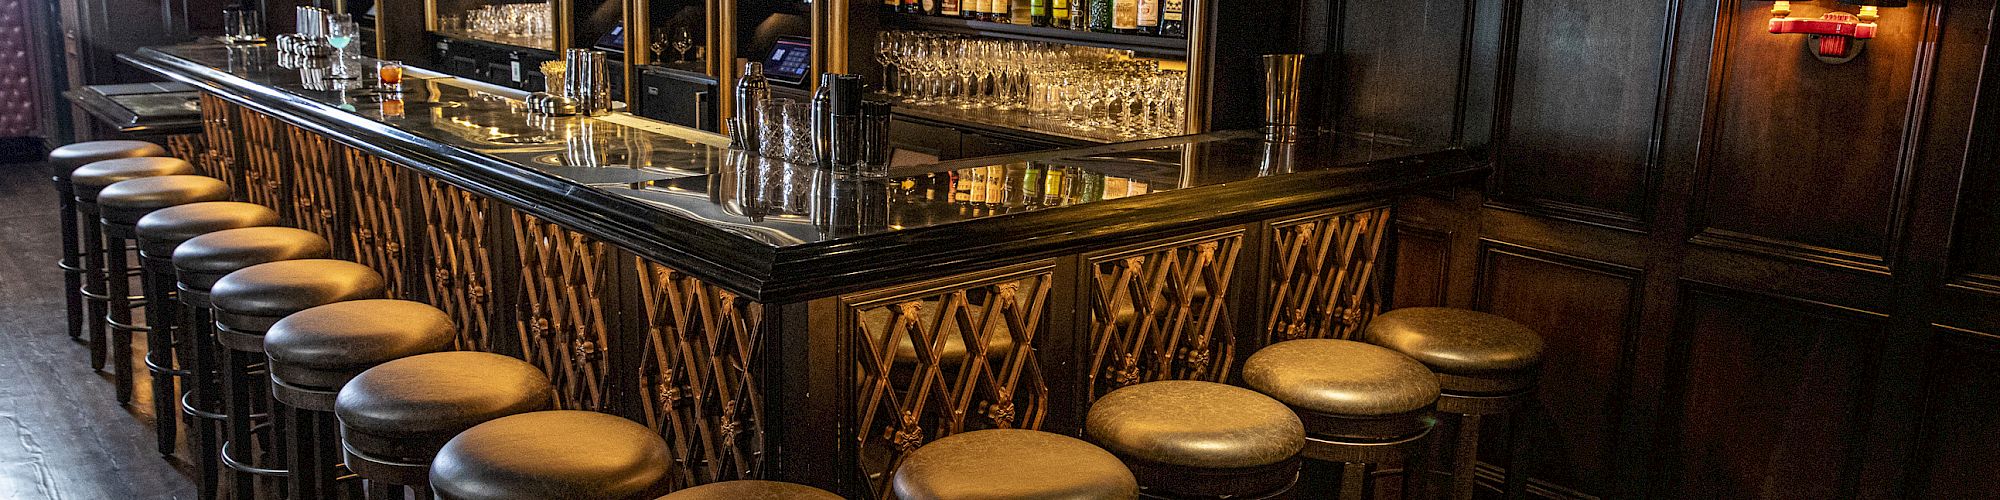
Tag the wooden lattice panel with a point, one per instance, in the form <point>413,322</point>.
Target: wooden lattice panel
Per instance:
<point>699,376</point>
<point>378,234</point>
<point>1160,313</point>
<point>218,154</point>
<point>1321,274</point>
<point>460,277</point>
<point>316,182</point>
<point>947,357</point>
<point>561,319</point>
<point>264,180</point>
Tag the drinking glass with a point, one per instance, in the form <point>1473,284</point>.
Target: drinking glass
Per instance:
<point>798,134</point>
<point>771,121</point>
<point>389,74</point>
<point>340,32</point>
<point>658,45</point>
<point>242,25</point>
<point>683,40</point>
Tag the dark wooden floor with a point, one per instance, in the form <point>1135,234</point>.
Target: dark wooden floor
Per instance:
<point>62,435</point>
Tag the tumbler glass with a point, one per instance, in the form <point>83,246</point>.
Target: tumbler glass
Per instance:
<point>389,74</point>
<point>242,25</point>
<point>771,122</point>
<point>799,134</point>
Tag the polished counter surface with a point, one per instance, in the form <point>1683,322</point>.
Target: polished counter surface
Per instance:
<point>778,232</point>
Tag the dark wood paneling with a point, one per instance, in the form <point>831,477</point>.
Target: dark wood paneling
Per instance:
<point>1403,56</point>
<point>1577,132</point>
<point>1764,397</point>
<point>1426,253</point>
<point>1585,312</point>
<point>1960,443</point>
<point>1808,157</point>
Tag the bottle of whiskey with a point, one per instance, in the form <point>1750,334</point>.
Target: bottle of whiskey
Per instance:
<point>1172,18</point>
<point>1124,16</point>
<point>948,8</point>
<point>1149,17</point>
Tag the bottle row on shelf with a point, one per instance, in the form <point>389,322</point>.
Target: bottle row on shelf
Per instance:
<point>1167,18</point>
<point>1022,186</point>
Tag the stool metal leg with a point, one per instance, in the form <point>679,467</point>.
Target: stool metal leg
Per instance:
<point>71,261</point>
<point>1465,458</point>
<point>1355,481</point>
<point>118,290</point>
<point>238,450</point>
<point>93,289</point>
<point>161,318</point>
<point>203,401</point>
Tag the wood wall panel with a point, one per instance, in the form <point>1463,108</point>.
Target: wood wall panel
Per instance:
<point>1764,397</point>
<point>1577,135</point>
<point>1807,157</point>
<point>1959,441</point>
<point>1585,312</point>
<point>1404,59</point>
<point>1426,253</point>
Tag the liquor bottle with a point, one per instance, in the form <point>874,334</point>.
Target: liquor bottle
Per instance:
<point>1023,12</point>
<point>974,9</point>
<point>1149,17</point>
<point>1100,16</point>
<point>1058,14</point>
<point>1124,16</point>
<point>1000,11</point>
<point>948,8</point>
<point>910,6</point>
<point>1172,18</point>
<point>1038,13</point>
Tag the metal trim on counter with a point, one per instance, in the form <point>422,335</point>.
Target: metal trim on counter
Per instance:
<point>1221,183</point>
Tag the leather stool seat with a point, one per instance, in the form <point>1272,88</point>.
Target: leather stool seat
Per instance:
<point>1472,352</point>
<point>1186,437</point>
<point>164,229</point>
<point>94,176</point>
<point>576,455</point>
<point>404,410</point>
<point>1346,389</point>
<point>205,259</point>
<point>321,348</point>
<point>1012,464</point>
<point>70,156</point>
<point>123,203</point>
<point>247,302</point>
<point>751,489</point>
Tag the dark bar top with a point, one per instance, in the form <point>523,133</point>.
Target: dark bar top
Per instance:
<point>777,232</point>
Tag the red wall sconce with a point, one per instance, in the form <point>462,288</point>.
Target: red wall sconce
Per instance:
<point>1835,37</point>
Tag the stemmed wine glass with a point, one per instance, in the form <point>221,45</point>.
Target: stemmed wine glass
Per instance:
<point>340,33</point>
<point>683,40</point>
<point>885,55</point>
<point>659,45</point>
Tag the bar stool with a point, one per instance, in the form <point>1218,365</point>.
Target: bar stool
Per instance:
<point>567,454</point>
<point>1362,405</point>
<point>1186,438</point>
<point>1486,364</point>
<point>62,161</point>
<point>394,417</point>
<point>316,351</point>
<point>1012,464</point>
<point>122,205</point>
<point>108,299</point>
<point>199,263</point>
<point>246,304</point>
<point>751,489</point>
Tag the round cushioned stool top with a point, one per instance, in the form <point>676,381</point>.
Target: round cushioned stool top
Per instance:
<point>1195,424</point>
<point>68,157</point>
<point>277,289</point>
<point>326,345</point>
<point>204,259</point>
<point>577,455</point>
<point>751,489</point>
<point>124,202</point>
<point>163,229</point>
<point>96,175</point>
<point>1012,464</point>
<point>443,392</point>
<point>1341,377</point>
<point>1457,341</point>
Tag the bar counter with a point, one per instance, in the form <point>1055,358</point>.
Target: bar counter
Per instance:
<point>779,322</point>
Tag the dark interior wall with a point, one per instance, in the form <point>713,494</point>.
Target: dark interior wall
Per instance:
<point>1759,275</point>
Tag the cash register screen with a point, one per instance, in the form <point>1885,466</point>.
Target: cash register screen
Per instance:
<point>791,58</point>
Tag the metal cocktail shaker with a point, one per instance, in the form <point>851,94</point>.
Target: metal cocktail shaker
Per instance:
<point>1281,96</point>
<point>822,121</point>
<point>750,93</point>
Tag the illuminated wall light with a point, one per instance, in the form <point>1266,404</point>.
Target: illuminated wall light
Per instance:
<point>1835,37</point>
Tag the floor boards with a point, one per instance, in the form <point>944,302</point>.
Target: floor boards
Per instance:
<point>62,434</point>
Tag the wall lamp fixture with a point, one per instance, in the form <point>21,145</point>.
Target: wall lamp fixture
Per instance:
<point>1835,37</point>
